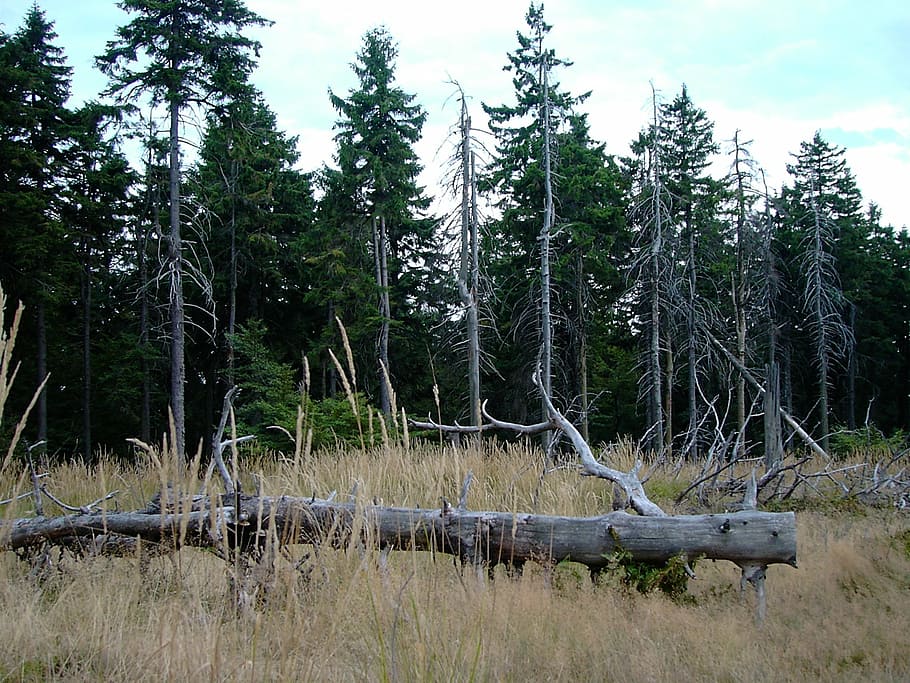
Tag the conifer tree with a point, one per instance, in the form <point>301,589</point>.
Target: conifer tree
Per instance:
<point>522,176</point>
<point>94,213</point>
<point>35,139</point>
<point>823,208</point>
<point>378,126</point>
<point>183,53</point>
<point>686,140</point>
<point>260,207</point>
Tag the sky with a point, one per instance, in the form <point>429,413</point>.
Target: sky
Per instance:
<point>776,70</point>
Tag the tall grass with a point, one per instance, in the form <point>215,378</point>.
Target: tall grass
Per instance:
<point>350,615</point>
<point>8,372</point>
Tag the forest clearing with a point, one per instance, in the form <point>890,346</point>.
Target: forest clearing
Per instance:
<point>664,407</point>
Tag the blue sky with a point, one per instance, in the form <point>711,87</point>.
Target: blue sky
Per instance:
<point>777,70</point>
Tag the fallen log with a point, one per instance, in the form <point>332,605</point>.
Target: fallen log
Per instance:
<point>747,538</point>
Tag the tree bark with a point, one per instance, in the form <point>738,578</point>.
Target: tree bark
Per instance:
<point>468,267</point>
<point>145,428</point>
<point>582,344</point>
<point>660,424</point>
<point>175,265</point>
<point>380,247</point>
<point>86,286</point>
<point>774,445</point>
<point>692,450</point>
<point>488,538</point>
<point>546,325</point>
<point>41,343</point>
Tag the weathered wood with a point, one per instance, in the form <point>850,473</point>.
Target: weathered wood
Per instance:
<point>746,538</point>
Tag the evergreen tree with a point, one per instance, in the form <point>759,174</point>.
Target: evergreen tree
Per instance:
<point>878,274</point>
<point>35,138</point>
<point>822,206</point>
<point>521,177</point>
<point>94,213</point>
<point>183,53</point>
<point>381,198</point>
<point>687,144</point>
<point>259,208</point>
<point>591,246</point>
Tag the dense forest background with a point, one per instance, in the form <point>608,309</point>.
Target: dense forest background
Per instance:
<point>167,248</point>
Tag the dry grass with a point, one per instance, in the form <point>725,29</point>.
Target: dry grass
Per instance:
<point>843,615</point>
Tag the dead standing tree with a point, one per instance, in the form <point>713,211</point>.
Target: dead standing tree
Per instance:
<point>469,253</point>
<point>651,273</point>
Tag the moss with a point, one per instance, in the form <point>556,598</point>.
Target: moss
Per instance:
<point>670,579</point>
<point>902,542</point>
<point>825,505</point>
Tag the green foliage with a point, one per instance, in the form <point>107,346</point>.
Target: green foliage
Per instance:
<point>379,124</point>
<point>671,579</point>
<point>666,488</point>
<point>333,422</point>
<point>272,253</point>
<point>868,442</point>
<point>270,396</point>
<point>182,51</point>
<point>589,237</point>
<point>268,393</point>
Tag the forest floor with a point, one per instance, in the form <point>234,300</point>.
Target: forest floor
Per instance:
<point>843,615</point>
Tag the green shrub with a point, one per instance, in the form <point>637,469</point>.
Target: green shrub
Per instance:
<point>866,441</point>
<point>671,578</point>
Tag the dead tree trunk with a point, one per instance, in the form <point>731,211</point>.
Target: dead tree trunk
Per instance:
<point>176,304</point>
<point>661,421</point>
<point>774,444</point>
<point>380,248</point>
<point>484,538</point>
<point>546,324</point>
<point>468,267</point>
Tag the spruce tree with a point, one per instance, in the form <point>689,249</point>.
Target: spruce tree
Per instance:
<point>591,249</point>
<point>386,207</point>
<point>687,144</point>
<point>95,214</point>
<point>259,208</point>
<point>182,53</point>
<point>35,140</point>
<point>822,207</point>
<point>521,176</point>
